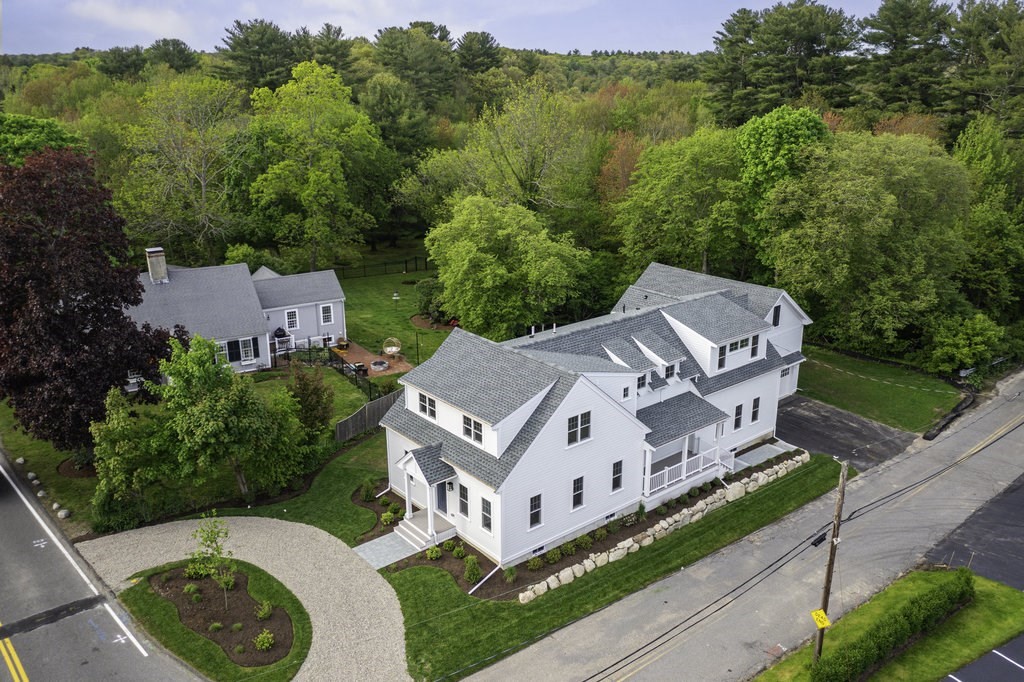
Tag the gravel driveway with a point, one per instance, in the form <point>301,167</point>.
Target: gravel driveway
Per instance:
<point>358,632</point>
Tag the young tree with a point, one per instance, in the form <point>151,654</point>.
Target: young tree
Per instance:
<point>210,558</point>
<point>499,268</point>
<point>66,283</point>
<point>315,400</point>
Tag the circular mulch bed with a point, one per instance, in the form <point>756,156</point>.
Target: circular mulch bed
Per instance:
<point>68,469</point>
<point>241,609</point>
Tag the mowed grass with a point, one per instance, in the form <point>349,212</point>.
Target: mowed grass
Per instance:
<point>448,632</point>
<point>347,398</point>
<point>894,396</point>
<point>995,616</point>
<point>327,505</point>
<point>160,619</point>
<point>372,315</point>
<point>43,459</point>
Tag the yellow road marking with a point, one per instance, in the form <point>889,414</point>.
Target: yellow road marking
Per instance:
<point>12,660</point>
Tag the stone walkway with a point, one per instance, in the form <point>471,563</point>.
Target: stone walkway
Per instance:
<point>357,622</point>
<point>385,550</point>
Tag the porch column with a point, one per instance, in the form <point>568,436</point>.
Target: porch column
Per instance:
<point>431,492</point>
<point>408,497</point>
<point>647,470</point>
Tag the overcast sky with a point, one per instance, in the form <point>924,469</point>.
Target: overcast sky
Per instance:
<point>43,26</point>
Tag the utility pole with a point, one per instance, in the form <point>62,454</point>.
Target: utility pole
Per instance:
<point>836,518</point>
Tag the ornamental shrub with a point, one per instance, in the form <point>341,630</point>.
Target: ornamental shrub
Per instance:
<point>236,627</point>
<point>433,553</point>
<point>614,526</point>
<point>553,556</point>
<point>535,563</point>
<point>568,548</point>
<point>473,572</point>
<point>459,552</point>
<point>367,490</point>
<point>600,534</point>
<point>694,491</point>
<point>190,588</point>
<point>215,627</point>
<point>384,502</point>
<point>661,510</point>
<point>449,545</point>
<point>387,518</point>
<point>264,640</point>
<point>510,574</point>
<point>239,649</point>
<point>263,609</point>
<point>584,542</point>
<point>395,508</point>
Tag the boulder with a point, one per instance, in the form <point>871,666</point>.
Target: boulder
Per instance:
<point>735,491</point>
<point>805,457</point>
<point>753,486</point>
<point>638,537</point>
<point>37,482</point>
<point>652,530</point>
<point>527,597</point>
<point>649,539</point>
<point>578,570</point>
<point>20,460</point>
<point>660,534</point>
<point>634,547</point>
<point>700,507</point>
<point>55,506</point>
<point>761,478</point>
<point>601,559</point>
<point>31,475</point>
<point>664,524</point>
<point>697,516</point>
<point>589,565</point>
<point>566,576</point>
<point>540,588</point>
<point>626,543</point>
<point>63,513</point>
<point>684,520</point>
<point>41,493</point>
<point>553,583</point>
<point>616,554</point>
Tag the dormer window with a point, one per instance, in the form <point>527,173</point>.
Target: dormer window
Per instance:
<point>753,345</point>
<point>670,371</point>
<point>680,368</point>
<point>428,406</point>
<point>641,381</point>
<point>776,314</point>
<point>721,357</point>
<point>472,429</point>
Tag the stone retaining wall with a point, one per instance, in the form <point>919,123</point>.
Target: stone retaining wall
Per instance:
<point>669,524</point>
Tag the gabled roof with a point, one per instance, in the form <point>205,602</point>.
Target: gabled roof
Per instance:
<point>264,273</point>
<point>483,378</point>
<point>301,289</point>
<point>660,284</point>
<point>428,459</point>
<point>575,363</point>
<point>716,318</point>
<point>677,417</point>
<point>769,362</point>
<point>216,302</point>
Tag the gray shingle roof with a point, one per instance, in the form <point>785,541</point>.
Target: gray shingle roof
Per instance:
<point>217,302</point>
<point>716,318</point>
<point>628,352</point>
<point>428,459</point>
<point>663,281</point>
<point>636,298</point>
<point>482,378</point>
<point>460,453</point>
<point>668,350</point>
<point>655,380</point>
<point>677,417</point>
<point>575,363</point>
<point>264,273</point>
<point>771,361</point>
<point>308,287</point>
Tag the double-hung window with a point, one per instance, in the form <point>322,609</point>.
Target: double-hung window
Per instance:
<point>428,406</point>
<point>534,511</point>
<point>755,410</point>
<point>670,371</point>
<point>641,381</point>
<point>291,320</point>
<point>753,345</point>
<point>616,475</point>
<point>485,513</point>
<point>245,346</point>
<point>327,314</point>
<point>737,420</point>
<point>579,428</point>
<point>222,352</point>
<point>721,357</point>
<point>776,315</point>
<point>464,500</point>
<point>577,493</point>
<point>472,429</point>
<point>625,392</point>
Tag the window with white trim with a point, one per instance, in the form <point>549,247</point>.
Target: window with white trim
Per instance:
<point>291,319</point>
<point>464,500</point>
<point>428,406</point>
<point>755,410</point>
<point>579,428</point>
<point>670,371</point>
<point>734,346</point>
<point>776,315</point>
<point>616,475</point>
<point>222,352</point>
<point>485,513</point>
<point>784,373</point>
<point>534,511</point>
<point>721,357</point>
<point>737,420</point>
<point>641,381</point>
<point>753,345</point>
<point>472,429</point>
<point>245,346</point>
<point>327,314</point>
<point>625,392</point>
<point>577,493</point>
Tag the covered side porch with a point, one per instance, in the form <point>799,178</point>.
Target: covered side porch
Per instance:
<point>427,479</point>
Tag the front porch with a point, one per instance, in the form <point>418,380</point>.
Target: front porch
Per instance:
<point>675,469</point>
<point>424,529</point>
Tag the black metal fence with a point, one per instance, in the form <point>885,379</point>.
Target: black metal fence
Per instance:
<point>366,418</point>
<point>412,264</point>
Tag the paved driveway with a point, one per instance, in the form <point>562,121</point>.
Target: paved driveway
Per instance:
<point>357,621</point>
<point>818,427</point>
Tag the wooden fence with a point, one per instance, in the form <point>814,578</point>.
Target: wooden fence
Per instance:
<point>366,418</point>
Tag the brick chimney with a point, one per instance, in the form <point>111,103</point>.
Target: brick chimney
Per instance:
<point>157,265</point>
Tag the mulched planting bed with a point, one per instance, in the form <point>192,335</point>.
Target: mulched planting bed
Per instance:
<point>497,589</point>
<point>68,469</point>
<point>198,616</point>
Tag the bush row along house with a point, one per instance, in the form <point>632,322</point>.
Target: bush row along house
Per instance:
<point>519,446</point>
<point>250,317</point>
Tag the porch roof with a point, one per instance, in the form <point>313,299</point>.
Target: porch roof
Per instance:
<point>428,459</point>
<point>677,417</point>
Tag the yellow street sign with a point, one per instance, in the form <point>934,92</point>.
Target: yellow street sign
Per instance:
<point>820,619</point>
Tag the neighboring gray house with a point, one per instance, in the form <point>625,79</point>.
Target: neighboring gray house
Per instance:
<point>519,446</point>
<point>239,311</point>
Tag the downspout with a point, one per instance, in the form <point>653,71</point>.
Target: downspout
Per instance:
<point>496,569</point>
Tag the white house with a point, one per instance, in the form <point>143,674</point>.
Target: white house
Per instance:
<point>519,446</point>
<point>248,316</point>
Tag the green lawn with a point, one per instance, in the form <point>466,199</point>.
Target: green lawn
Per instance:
<point>995,616</point>
<point>160,619</point>
<point>371,314</point>
<point>449,633</point>
<point>898,397</point>
<point>326,505</point>
<point>42,458</point>
<point>347,398</point>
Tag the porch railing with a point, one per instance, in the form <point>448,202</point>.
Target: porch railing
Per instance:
<point>678,472</point>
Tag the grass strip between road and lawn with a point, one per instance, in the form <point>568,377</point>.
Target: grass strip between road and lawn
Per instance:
<point>449,633</point>
<point>898,397</point>
<point>327,504</point>
<point>160,619</point>
<point>994,617</point>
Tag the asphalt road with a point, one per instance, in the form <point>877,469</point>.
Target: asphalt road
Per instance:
<point>733,613</point>
<point>1005,664</point>
<point>56,622</point>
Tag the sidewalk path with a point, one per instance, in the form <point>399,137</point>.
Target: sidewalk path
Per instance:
<point>730,614</point>
<point>357,621</point>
